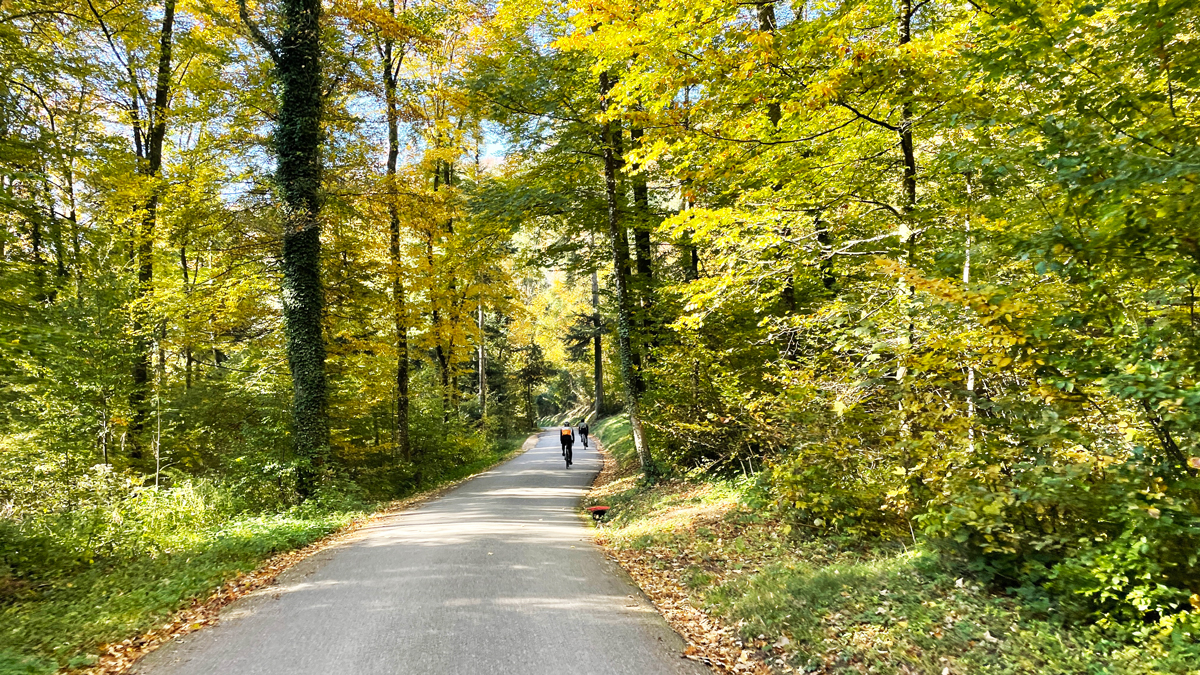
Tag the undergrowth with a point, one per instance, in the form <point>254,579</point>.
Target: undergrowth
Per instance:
<point>114,568</point>
<point>815,601</point>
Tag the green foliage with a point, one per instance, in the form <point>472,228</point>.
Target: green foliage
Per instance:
<point>895,612</point>
<point>1120,546</point>
<point>12,663</point>
<point>615,436</point>
<point>925,270</point>
<point>946,277</point>
<point>844,601</point>
<point>124,556</point>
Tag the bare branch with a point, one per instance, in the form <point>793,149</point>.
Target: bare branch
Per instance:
<point>786,141</point>
<point>867,117</point>
<point>256,34</point>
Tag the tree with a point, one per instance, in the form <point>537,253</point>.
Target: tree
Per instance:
<point>148,136</point>
<point>392,43</point>
<point>298,142</point>
<point>573,178</point>
<point>618,240</point>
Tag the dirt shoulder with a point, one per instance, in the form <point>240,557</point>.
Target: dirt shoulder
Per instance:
<point>658,572</point>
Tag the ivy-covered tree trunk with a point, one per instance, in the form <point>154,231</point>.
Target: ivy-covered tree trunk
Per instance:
<point>298,172</point>
<point>151,168</point>
<point>613,162</point>
<point>401,435</point>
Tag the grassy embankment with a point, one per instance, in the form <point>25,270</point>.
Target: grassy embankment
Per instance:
<point>64,618</point>
<point>827,604</point>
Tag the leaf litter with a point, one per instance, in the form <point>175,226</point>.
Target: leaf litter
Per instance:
<point>657,571</point>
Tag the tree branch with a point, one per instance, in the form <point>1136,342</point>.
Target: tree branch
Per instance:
<point>862,115</point>
<point>256,34</point>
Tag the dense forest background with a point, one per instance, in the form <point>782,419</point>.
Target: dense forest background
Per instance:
<point>928,269</point>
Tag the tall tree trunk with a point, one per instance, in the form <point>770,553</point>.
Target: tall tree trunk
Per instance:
<point>56,236</point>
<point>644,248</point>
<point>907,236</point>
<point>689,253</point>
<point>909,183</point>
<point>482,366</point>
<point>613,161</point>
<point>73,219</point>
<point>642,224</point>
<point>597,350</point>
<point>187,288</point>
<point>151,169</point>
<point>298,155</point>
<point>444,372</point>
<point>39,264</point>
<point>767,24</point>
<point>627,262</point>
<point>828,278</point>
<point>443,175</point>
<point>400,435</point>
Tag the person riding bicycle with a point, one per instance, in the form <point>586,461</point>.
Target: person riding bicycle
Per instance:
<point>567,438</point>
<point>583,432</point>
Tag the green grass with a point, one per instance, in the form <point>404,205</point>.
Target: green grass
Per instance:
<point>895,611</point>
<point>616,437</point>
<point>849,605</point>
<point>63,619</point>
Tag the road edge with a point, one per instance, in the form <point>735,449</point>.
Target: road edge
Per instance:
<point>120,658</point>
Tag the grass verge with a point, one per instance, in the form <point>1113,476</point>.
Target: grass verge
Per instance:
<point>101,617</point>
<point>749,598</point>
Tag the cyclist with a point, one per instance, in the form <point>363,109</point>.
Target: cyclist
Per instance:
<point>567,438</point>
<point>583,432</point>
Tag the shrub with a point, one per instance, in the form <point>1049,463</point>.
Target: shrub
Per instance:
<point>1118,544</point>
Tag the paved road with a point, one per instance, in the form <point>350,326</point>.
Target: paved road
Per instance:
<point>497,576</point>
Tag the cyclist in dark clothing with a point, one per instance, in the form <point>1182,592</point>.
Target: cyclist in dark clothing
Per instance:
<point>583,432</point>
<point>567,438</point>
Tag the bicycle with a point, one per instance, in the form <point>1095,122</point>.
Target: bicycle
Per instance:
<point>567,455</point>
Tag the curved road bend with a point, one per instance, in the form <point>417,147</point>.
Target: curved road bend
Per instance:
<point>497,576</point>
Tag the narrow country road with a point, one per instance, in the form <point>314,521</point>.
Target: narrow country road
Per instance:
<point>497,576</point>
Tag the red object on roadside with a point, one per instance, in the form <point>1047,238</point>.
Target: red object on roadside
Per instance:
<point>598,511</point>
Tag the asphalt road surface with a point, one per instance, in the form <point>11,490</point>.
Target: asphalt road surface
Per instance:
<point>498,575</point>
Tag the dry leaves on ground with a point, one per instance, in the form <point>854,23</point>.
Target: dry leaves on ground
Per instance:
<point>709,640</point>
